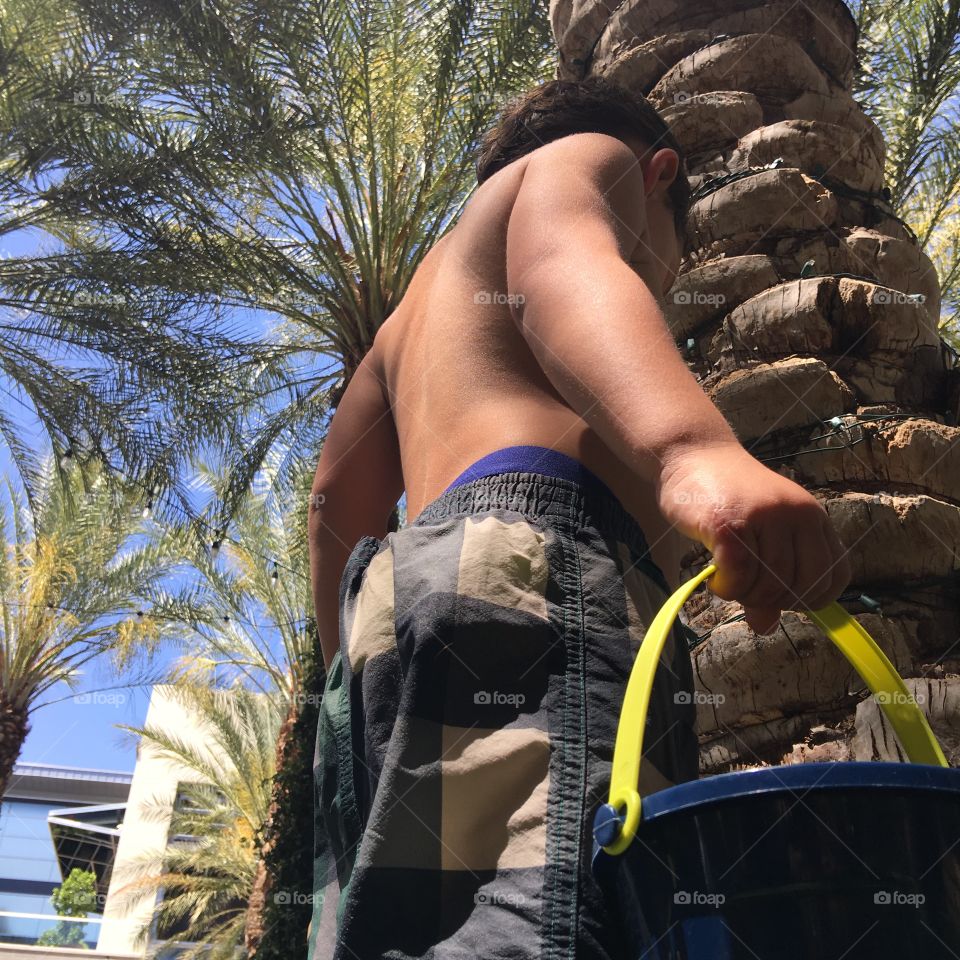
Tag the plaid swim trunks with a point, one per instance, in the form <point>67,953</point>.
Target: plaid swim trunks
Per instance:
<point>468,721</point>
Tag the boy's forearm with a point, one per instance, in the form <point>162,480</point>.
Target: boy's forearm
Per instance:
<point>601,338</point>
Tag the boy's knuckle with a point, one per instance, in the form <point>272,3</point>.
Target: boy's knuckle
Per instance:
<point>766,593</point>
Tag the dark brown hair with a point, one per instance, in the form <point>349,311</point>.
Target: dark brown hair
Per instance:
<point>560,107</point>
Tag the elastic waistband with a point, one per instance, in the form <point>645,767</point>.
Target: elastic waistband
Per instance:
<point>539,496</point>
<point>527,458</point>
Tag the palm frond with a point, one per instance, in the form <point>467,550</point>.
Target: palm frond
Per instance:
<point>206,873</point>
<point>908,80</point>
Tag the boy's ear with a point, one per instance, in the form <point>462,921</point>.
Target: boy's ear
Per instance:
<point>661,170</point>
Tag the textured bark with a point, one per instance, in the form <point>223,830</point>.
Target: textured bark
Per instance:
<point>839,382</point>
<point>280,904</point>
<point>14,728</point>
<point>262,883</point>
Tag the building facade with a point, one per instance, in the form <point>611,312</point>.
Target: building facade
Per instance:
<point>53,819</point>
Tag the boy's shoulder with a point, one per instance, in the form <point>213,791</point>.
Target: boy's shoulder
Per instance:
<point>584,150</point>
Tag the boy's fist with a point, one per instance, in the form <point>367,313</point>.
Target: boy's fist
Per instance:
<point>774,545</point>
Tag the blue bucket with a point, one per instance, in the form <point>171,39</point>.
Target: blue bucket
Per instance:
<point>808,862</point>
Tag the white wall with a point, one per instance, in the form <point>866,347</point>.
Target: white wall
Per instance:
<point>155,781</point>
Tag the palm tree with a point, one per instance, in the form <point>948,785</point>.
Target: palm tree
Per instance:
<point>907,81</point>
<point>246,611</point>
<point>205,874</point>
<point>248,618</point>
<point>809,308</point>
<point>295,160</point>
<point>92,346</point>
<point>75,584</point>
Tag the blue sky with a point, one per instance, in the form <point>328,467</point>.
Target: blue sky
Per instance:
<point>79,727</point>
<point>77,732</point>
<point>84,734</point>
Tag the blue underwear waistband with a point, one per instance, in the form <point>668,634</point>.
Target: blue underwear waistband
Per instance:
<point>532,459</point>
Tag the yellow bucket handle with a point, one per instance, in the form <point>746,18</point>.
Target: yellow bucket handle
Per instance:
<point>854,642</point>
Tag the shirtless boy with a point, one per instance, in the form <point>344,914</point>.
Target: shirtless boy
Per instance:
<point>557,457</point>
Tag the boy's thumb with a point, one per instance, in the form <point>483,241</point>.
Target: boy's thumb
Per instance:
<point>735,554</point>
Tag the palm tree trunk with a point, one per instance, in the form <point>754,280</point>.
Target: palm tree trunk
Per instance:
<point>279,908</point>
<point>263,886</point>
<point>266,934</point>
<point>14,727</point>
<point>810,316</point>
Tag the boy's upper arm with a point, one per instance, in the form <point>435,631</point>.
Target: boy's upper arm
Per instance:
<point>580,195</point>
<point>359,476</point>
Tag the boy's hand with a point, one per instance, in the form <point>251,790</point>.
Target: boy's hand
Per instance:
<point>774,545</point>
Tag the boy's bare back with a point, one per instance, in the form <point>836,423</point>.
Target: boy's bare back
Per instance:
<point>462,381</point>
<point>581,361</point>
